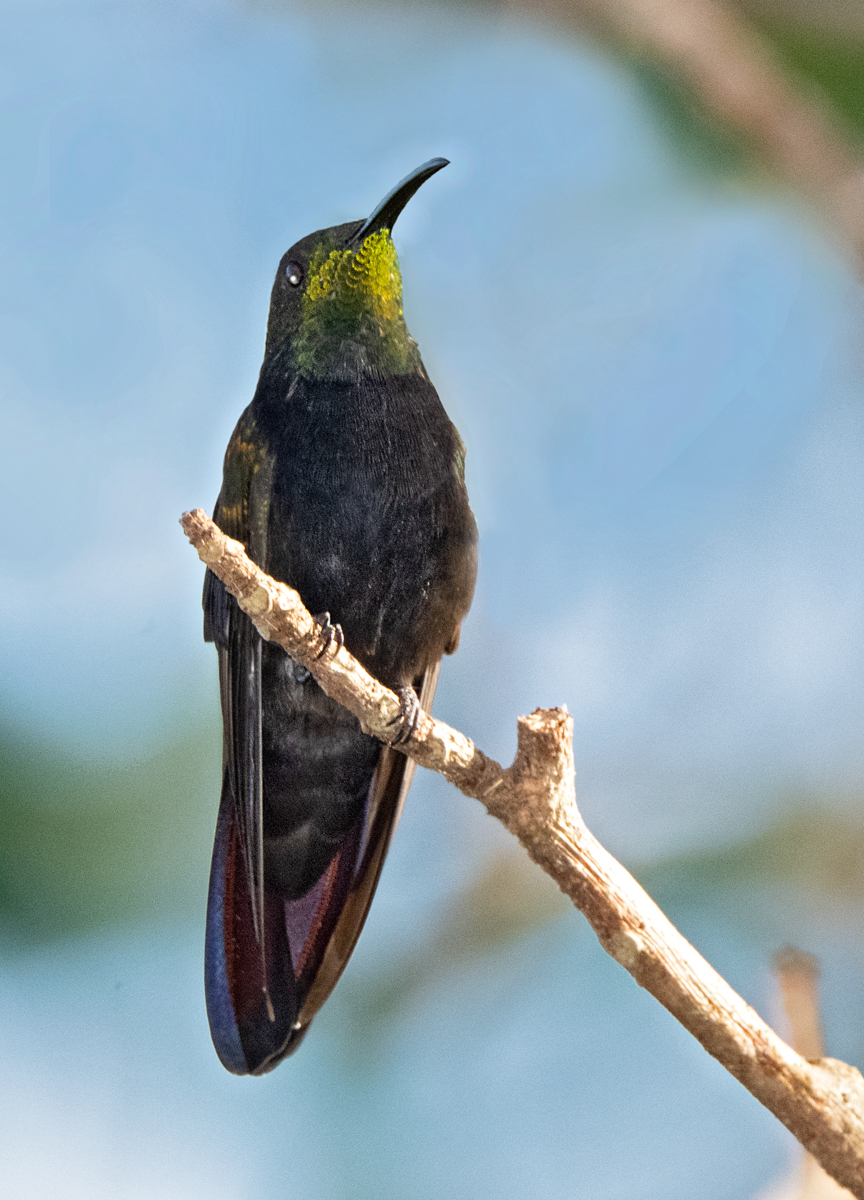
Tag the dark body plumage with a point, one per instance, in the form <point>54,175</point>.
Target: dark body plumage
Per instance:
<point>347,482</point>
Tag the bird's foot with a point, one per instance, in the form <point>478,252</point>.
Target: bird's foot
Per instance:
<point>409,715</point>
<point>329,633</point>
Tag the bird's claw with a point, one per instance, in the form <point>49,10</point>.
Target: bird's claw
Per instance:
<point>409,715</point>
<point>329,633</point>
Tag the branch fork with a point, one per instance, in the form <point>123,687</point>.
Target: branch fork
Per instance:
<point>821,1101</point>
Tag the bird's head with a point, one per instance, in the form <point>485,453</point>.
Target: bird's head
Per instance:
<point>336,304</point>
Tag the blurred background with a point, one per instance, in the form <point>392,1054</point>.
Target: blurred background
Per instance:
<point>637,290</point>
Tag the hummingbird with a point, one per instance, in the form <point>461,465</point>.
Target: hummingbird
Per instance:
<point>345,479</point>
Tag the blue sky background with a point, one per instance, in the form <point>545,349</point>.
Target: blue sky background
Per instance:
<point>656,368</point>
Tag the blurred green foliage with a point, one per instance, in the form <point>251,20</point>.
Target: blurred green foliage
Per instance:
<point>826,61</point>
<point>818,851</point>
<point>703,145</point>
<point>88,844</point>
<point>827,58</point>
<point>510,898</point>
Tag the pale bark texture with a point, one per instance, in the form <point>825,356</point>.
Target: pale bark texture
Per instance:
<point>820,1101</point>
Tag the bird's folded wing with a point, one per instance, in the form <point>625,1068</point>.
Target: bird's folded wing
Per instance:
<point>341,913</point>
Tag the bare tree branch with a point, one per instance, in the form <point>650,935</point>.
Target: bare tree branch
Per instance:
<point>820,1101</point>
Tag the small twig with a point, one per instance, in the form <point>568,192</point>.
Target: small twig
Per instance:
<point>798,975</point>
<point>821,1102</point>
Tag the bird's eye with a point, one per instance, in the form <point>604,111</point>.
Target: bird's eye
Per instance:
<point>294,274</point>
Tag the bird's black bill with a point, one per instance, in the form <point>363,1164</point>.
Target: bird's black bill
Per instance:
<point>384,216</point>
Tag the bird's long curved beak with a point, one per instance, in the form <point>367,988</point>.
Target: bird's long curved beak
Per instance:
<point>384,216</point>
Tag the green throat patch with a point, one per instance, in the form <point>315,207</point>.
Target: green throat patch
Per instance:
<point>352,313</point>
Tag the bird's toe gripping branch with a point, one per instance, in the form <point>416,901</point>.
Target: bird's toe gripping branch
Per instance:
<point>329,634</point>
<point>410,713</point>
